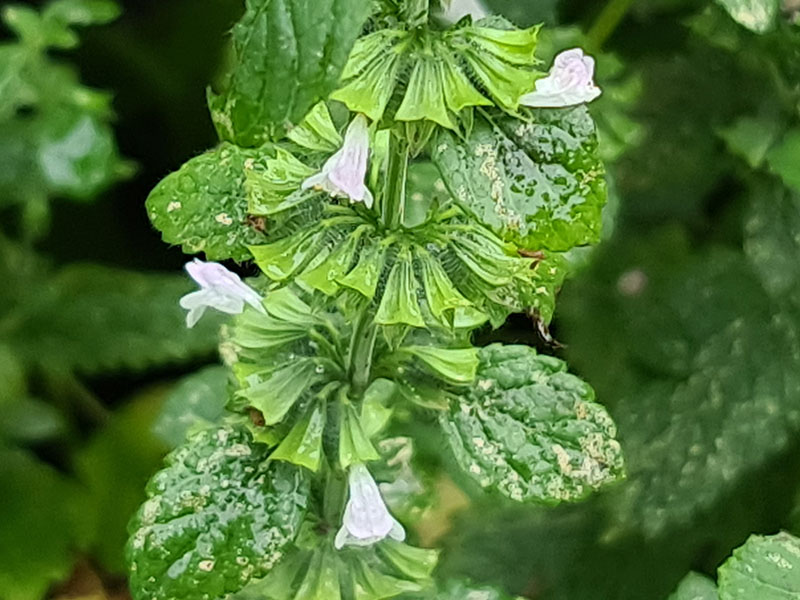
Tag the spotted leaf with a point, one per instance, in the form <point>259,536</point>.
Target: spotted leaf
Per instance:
<point>537,182</point>
<point>531,430</point>
<point>218,516</point>
<point>203,206</point>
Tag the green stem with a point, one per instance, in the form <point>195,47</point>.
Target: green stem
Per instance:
<point>394,190</point>
<point>335,497</point>
<point>607,21</point>
<point>362,347</point>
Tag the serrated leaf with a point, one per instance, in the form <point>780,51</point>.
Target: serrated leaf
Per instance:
<point>92,318</point>
<point>196,401</point>
<point>691,351</point>
<point>289,55</point>
<point>538,183</point>
<point>219,515</point>
<point>767,568</point>
<point>756,15</point>
<point>531,430</point>
<point>203,205</point>
<point>695,587</point>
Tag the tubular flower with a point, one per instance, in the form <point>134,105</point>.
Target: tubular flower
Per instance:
<point>366,518</point>
<point>220,289</point>
<point>344,173</point>
<point>569,83</point>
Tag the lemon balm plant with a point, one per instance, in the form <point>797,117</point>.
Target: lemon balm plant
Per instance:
<point>399,183</point>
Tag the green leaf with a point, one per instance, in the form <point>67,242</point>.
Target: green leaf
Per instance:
<point>288,56</point>
<point>317,131</point>
<point>373,69</point>
<point>531,430</point>
<point>695,587</point>
<point>500,58</point>
<point>383,571</point>
<point>538,183</point>
<point>784,159</point>
<point>83,12</point>
<point>303,445</point>
<point>751,138</point>
<point>96,319</point>
<point>114,467</point>
<point>455,365</point>
<point>440,292</point>
<point>375,408</point>
<point>399,304</point>
<point>203,205</point>
<point>756,15</point>
<point>685,378</point>
<point>282,388</point>
<point>771,242</point>
<point>30,421</point>
<point>196,401</point>
<point>354,443</point>
<point>460,590</point>
<point>219,515</point>
<point>365,275</point>
<point>77,154</point>
<point>277,188</point>
<point>38,527</point>
<point>767,568</point>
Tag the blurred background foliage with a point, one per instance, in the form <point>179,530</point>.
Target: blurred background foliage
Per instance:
<point>686,320</point>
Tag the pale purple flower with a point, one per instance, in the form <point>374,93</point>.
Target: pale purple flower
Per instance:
<point>220,289</point>
<point>343,175</point>
<point>455,10</point>
<point>366,519</point>
<point>569,83</point>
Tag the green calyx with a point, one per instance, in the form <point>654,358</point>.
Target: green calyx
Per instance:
<point>448,71</point>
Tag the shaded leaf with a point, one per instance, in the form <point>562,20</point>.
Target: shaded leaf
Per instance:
<point>93,318</point>
<point>767,568</point>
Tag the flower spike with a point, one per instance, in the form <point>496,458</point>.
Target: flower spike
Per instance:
<point>366,518</point>
<point>343,175</point>
<point>220,289</point>
<point>569,83</point>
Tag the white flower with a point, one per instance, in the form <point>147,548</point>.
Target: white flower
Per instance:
<point>366,518</point>
<point>220,289</point>
<point>344,173</point>
<point>456,10</point>
<point>570,82</point>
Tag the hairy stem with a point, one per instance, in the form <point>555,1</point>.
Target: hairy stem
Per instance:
<point>362,347</point>
<point>394,190</point>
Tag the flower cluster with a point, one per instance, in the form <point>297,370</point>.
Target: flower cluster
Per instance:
<point>366,519</point>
